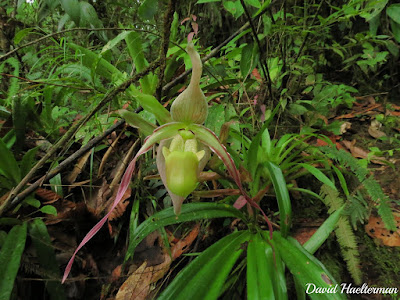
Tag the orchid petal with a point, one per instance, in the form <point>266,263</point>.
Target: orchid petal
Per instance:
<point>161,133</point>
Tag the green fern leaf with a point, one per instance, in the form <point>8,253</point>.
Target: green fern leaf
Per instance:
<point>344,233</point>
<point>371,186</point>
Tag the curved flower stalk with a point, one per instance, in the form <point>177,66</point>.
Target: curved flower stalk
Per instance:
<point>191,105</point>
<point>182,153</point>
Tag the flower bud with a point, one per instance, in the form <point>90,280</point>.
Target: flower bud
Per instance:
<point>191,105</point>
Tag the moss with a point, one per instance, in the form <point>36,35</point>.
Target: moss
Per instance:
<point>380,264</point>
<point>334,264</point>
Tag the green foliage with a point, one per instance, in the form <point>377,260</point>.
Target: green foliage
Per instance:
<point>265,271</point>
<point>282,196</point>
<point>205,276</point>
<point>305,267</point>
<point>303,62</point>
<point>10,258</point>
<point>13,86</point>
<point>8,165</point>
<point>371,186</point>
<point>47,258</point>
<point>344,233</point>
<point>189,212</point>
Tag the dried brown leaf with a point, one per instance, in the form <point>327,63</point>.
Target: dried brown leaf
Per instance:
<point>137,286</point>
<point>107,154</point>
<point>374,131</point>
<point>376,229</point>
<point>183,244</point>
<point>47,195</point>
<point>361,153</point>
<point>71,177</point>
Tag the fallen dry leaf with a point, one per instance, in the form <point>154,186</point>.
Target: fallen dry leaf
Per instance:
<point>137,286</point>
<point>358,152</point>
<point>122,205</point>
<point>302,235</point>
<point>344,127</point>
<point>47,195</point>
<point>367,111</point>
<point>71,177</point>
<point>376,229</point>
<point>374,131</point>
<point>182,245</point>
<point>99,199</point>
<point>107,154</point>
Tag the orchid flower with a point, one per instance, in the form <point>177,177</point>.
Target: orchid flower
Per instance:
<point>183,151</point>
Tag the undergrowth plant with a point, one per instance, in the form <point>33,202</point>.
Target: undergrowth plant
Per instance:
<point>286,65</point>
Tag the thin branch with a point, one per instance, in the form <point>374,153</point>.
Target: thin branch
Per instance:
<point>164,45</point>
<point>308,32</point>
<point>264,66</point>
<point>31,188</point>
<point>71,132</point>
<point>69,30</point>
<point>82,89</point>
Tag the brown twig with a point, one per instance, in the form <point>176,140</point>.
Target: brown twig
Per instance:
<point>31,188</point>
<point>264,65</point>
<point>15,196</point>
<point>164,45</point>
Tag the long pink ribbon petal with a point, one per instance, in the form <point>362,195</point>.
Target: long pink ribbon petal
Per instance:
<point>121,191</point>
<point>165,131</point>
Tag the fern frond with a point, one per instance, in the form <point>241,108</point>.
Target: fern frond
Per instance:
<point>344,233</point>
<point>13,84</point>
<point>357,209</point>
<point>371,186</point>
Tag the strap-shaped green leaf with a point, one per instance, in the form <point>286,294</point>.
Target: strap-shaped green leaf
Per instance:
<point>8,165</point>
<point>306,268</point>
<point>135,120</point>
<point>10,258</point>
<point>265,271</point>
<point>282,196</point>
<point>204,277</point>
<point>47,258</point>
<point>72,8</point>
<point>135,49</point>
<point>106,70</point>
<point>323,232</point>
<point>319,175</point>
<point>189,212</point>
<point>93,61</point>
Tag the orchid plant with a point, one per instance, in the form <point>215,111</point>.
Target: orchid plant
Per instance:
<point>183,151</point>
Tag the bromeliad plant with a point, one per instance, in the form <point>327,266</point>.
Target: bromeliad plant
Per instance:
<point>183,151</point>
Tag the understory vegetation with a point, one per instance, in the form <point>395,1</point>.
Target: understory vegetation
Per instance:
<point>202,149</point>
